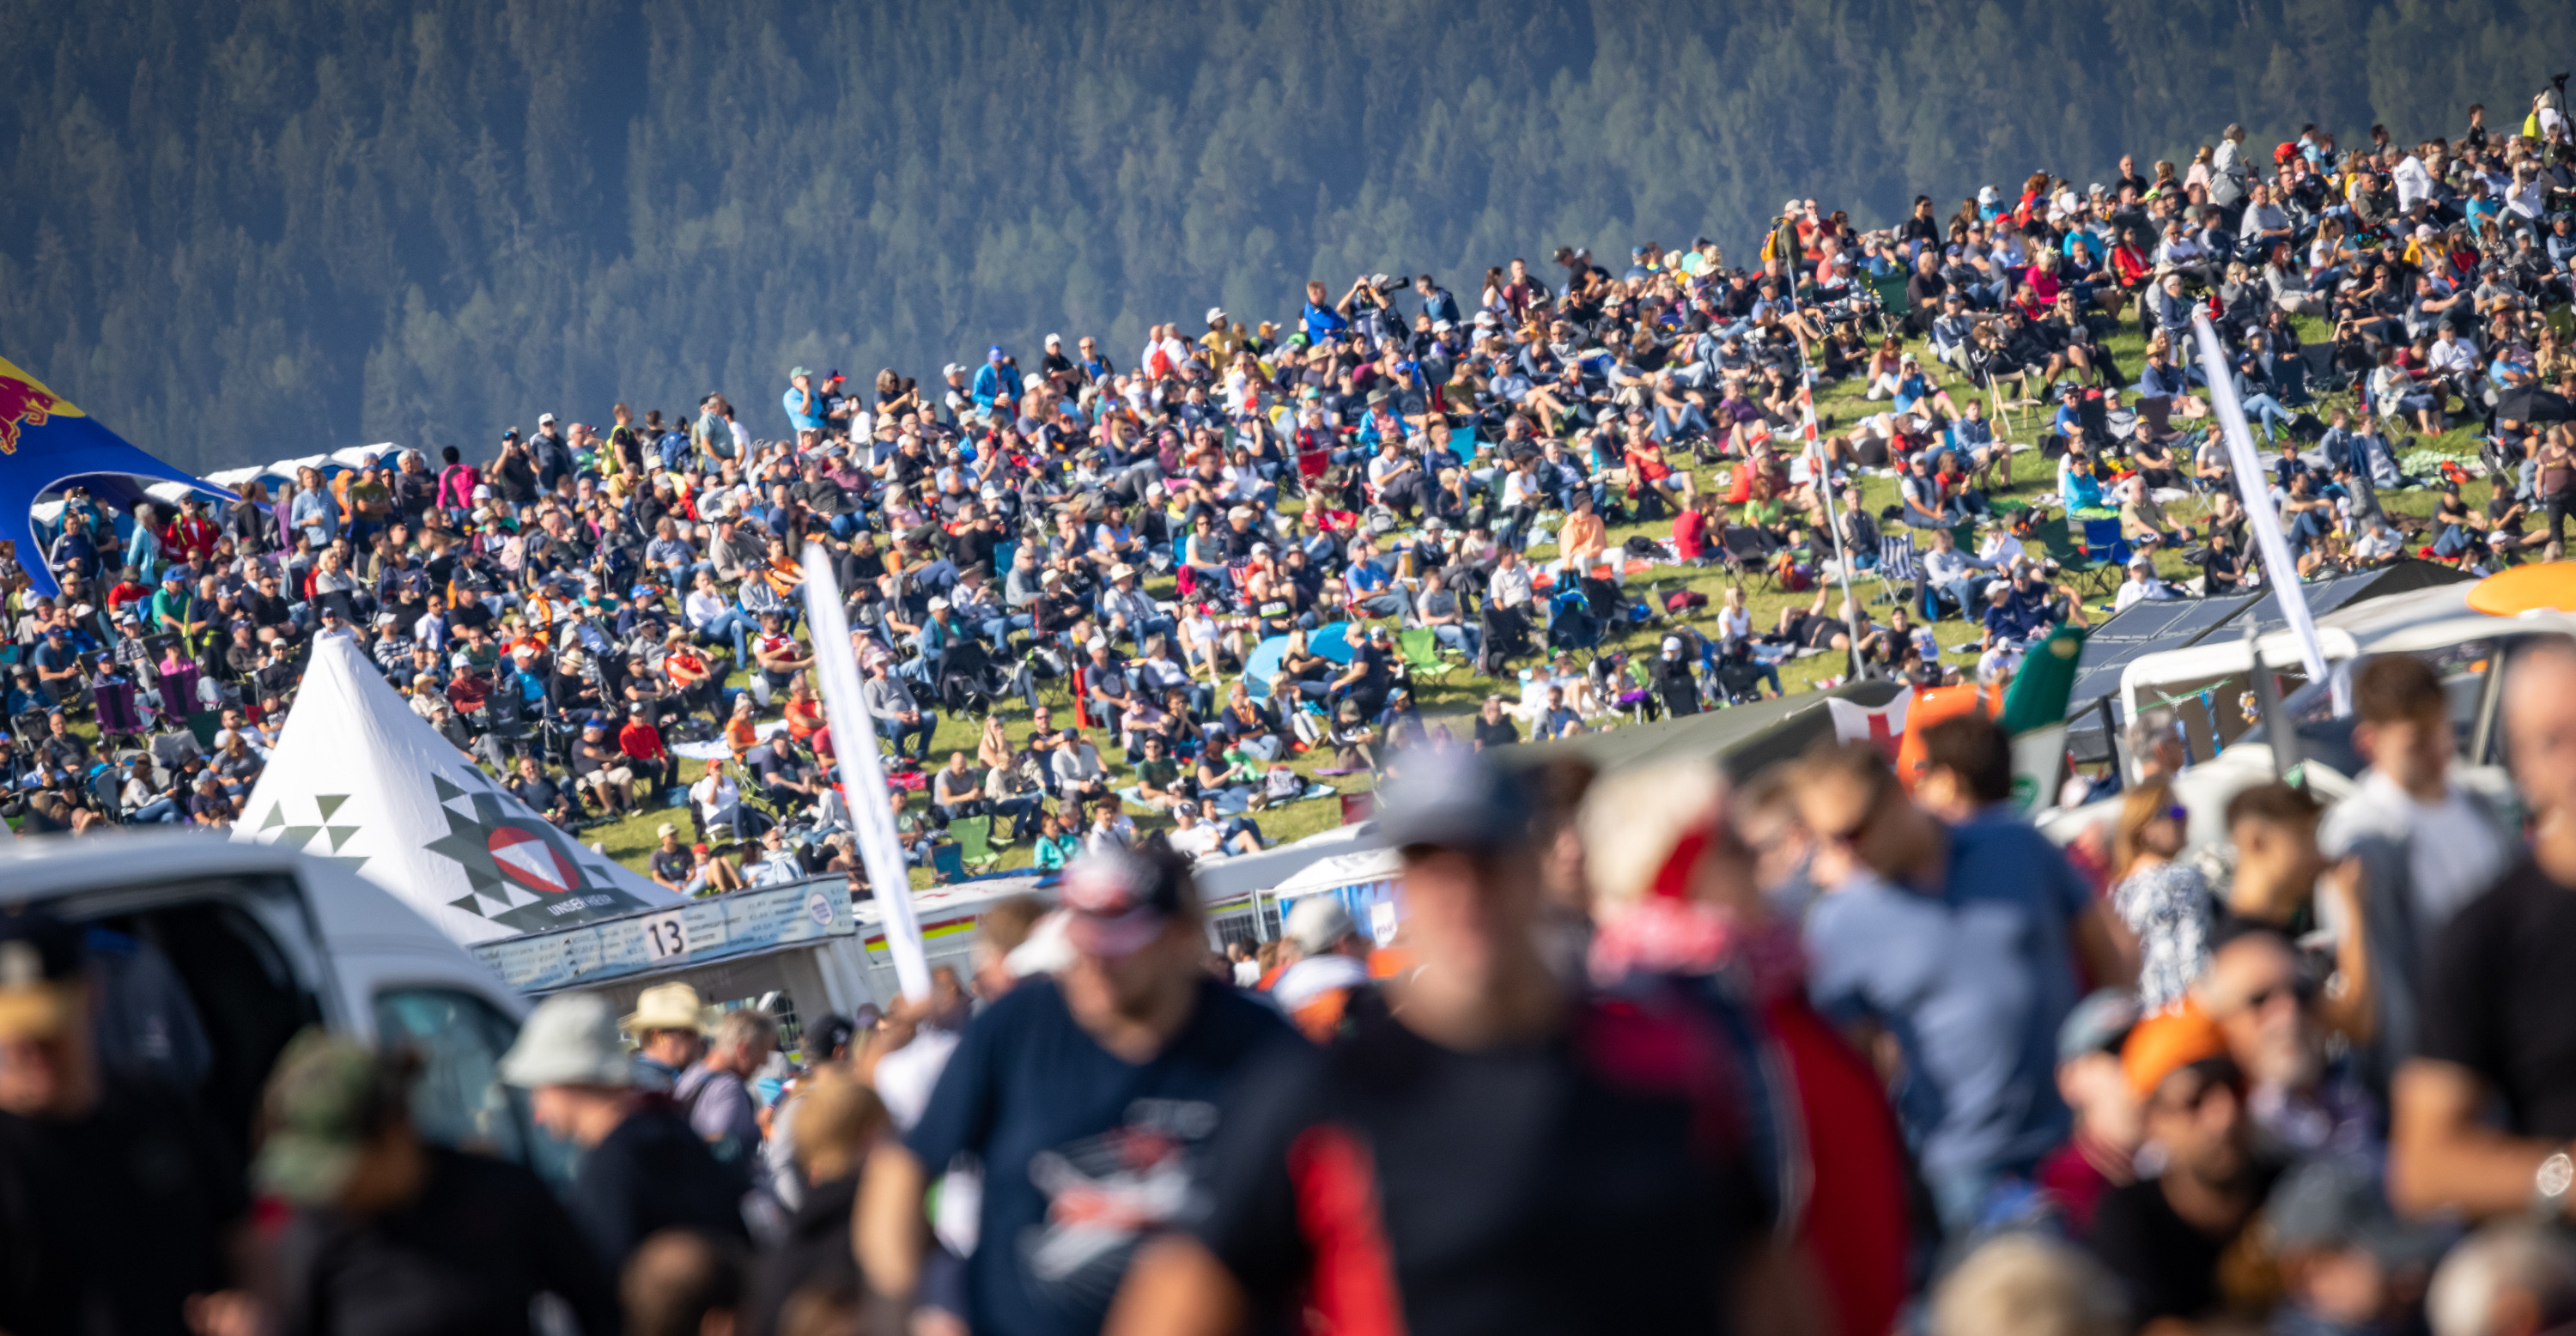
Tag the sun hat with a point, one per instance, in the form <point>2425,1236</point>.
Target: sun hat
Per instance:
<point>570,1039</point>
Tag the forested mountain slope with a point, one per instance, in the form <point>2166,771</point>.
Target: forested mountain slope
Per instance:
<point>242,229</point>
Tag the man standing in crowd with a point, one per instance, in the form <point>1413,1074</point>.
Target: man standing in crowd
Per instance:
<point>643,1168</point>
<point>1959,946</point>
<point>2415,846</point>
<point>1494,1152</point>
<point>1088,1098</point>
<point>2499,1002</point>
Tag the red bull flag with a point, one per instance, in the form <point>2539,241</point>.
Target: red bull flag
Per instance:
<point>48,443</point>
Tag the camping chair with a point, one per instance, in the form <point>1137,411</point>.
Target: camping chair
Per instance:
<point>1423,662</point>
<point>1893,305</point>
<point>1746,559</point>
<point>947,864</point>
<point>974,836</point>
<point>2102,541</point>
<point>1898,563</point>
<point>2073,561</point>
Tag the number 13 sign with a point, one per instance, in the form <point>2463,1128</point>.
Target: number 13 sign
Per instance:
<point>665,936</point>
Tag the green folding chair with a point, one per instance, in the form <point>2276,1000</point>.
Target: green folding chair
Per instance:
<point>1422,658</point>
<point>974,836</point>
<point>2077,564</point>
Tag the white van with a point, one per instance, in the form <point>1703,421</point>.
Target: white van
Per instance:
<point>212,954</point>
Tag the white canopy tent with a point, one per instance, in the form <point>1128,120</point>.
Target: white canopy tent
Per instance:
<point>358,777</point>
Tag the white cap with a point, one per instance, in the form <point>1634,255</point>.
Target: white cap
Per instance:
<point>1054,340</point>
<point>949,370</point>
<point>1319,923</point>
<point>544,418</point>
<point>1215,314</point>
<point>938,603</point>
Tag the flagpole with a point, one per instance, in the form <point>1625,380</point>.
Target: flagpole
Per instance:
<point>1821,471</point>
<point>2280,570</point>
<point>854,744</point>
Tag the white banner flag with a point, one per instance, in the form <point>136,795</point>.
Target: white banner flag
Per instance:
<point>854,742</point>
<point>2279,570</point>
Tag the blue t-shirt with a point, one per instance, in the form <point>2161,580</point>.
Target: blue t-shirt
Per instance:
<point>804,408</point>
<point>1078,1146</point>
<point>1973,982</point>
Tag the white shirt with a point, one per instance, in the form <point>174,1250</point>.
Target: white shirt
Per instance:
<point>2414,181</point>
<point>1198,841</point>
<point>2139,591</point>
<point>2453,855</point>
<point>2452,355</point>
<point>906,1076</point>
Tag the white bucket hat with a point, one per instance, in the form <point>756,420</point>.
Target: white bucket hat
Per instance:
<point>570,1039</point>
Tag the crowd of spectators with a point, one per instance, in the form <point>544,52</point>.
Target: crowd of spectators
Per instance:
<point>1250,540</point>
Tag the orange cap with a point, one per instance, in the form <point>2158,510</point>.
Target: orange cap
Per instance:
<point>2167,1042</point>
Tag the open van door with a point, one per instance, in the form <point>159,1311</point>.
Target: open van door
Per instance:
<point>211,955</point>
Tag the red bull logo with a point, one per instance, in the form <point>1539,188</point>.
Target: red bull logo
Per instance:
<point>25,402</point>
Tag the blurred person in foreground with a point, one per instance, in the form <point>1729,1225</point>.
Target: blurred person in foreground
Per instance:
<point>837,1119</point>
<point>1086,1096</point>
<point>2028,1285</point>
<point>1324,985</point>
<point>1682,905</point>
<point>2264,997</point>
<point>2414,848</point>
<point>2499,1018</point>
<point>1498,1151</point>
<point>2101,1152</point>
<point>2348,1266</point>
<point>117,1199</point>
<point>643,1169</point>
<point>1950,954</point>
<point>684,1283</point>
<point>2512,1278</point>
<point>388,1234</point>
<point>2166,1235</point>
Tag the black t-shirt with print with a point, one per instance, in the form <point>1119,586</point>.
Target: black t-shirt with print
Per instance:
<point>1594,1183</point>
<point>2497,1000</point>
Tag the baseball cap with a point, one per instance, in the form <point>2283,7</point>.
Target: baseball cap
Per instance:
<point>1055,340</point>
<point>42,960</point>
<point>950,370</point>
<point>1319,923</point>
<point>328,1098</point>
<point>799,371</point>
<point>1118,900</point>
<point>666,828</point>
<point>2166,1043</point>
<point>570,1039</point>
<point>1452,800</point>
<point>938,603</point>
<point>544,418</point>
<point>2099,1024</point>
<point>1215,314</point>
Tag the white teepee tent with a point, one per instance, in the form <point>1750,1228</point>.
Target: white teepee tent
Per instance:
<point>358,777</point>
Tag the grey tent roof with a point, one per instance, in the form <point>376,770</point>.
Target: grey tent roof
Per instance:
<point>1740,738</point>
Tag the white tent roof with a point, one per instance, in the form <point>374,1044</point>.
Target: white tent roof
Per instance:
<point>1341,870</point>
<point>358,777</point>
<point>1241,874</point>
